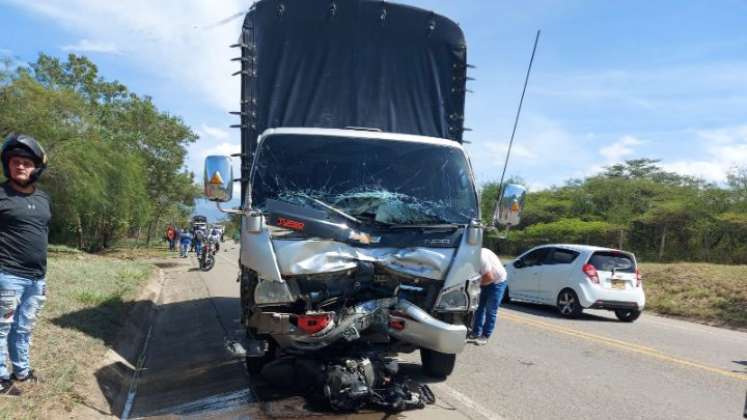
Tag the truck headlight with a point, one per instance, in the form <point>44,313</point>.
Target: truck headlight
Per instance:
<point>270,291</point>
<point>452,299</point>
<point>473,292</point>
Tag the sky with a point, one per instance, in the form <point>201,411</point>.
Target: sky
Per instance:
<point>611,80</point>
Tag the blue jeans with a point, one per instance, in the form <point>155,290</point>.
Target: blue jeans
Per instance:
<point>21,299</point>
<point>487,311</point>
<point>185,243</point>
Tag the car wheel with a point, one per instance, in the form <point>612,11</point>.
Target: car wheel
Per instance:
<point>437,364</point>
<point>568,304</point>
<point>627,315</point>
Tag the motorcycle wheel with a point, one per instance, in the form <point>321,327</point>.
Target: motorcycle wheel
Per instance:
<point>208,263</point>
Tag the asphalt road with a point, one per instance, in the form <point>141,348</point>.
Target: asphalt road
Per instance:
<point>536,366</point>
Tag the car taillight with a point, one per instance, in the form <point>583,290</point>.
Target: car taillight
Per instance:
<point>637,277</point>
<point>591,273</point>
<point>312,324</point>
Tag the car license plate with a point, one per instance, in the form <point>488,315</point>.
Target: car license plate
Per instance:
<point>618,284</point>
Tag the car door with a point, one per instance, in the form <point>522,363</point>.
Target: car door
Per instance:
<point>555,271</point>
<point>526,271</point>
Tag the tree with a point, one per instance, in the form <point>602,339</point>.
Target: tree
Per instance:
<point>115,159</point>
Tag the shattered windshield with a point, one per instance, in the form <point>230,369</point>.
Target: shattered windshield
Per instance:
<point>372,180</point>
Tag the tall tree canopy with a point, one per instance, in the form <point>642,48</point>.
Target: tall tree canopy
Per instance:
<point>115,160</point>
<point>638,206</point>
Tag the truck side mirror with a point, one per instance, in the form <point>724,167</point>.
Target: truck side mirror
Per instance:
<point>509,206</point>
<point>218,178</point>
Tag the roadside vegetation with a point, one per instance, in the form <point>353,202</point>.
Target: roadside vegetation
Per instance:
<point>115,160</point>
<point>637,206</point>
<point>67,344</point>
<point>715,294</point>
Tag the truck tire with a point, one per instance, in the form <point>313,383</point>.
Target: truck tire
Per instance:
<point>437,364</point>
<point>254,365</point>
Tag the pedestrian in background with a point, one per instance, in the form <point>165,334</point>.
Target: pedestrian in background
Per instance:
<point>24,230</point>
<point>185,242</point>
<point>171,237</point>
<point>492,287</point>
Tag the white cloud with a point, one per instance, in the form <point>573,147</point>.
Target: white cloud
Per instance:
<point>213,132</point>
<point>186,41</point>
<point>725,148</point>
<point>620,149</point>
<point>85,45</point>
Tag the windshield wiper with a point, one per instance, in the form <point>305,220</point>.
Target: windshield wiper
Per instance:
<point>331,208</point>
<point>427,226</point>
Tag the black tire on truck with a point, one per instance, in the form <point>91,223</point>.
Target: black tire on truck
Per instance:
<point>437,364</point>
<point>254,365</point>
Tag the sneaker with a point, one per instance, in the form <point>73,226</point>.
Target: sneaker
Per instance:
<point>7,388</point>
<point>30,377</point>
<point>472,337</point>
<point>481,341</point>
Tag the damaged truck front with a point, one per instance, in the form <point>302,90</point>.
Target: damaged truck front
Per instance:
<point>360,220</point>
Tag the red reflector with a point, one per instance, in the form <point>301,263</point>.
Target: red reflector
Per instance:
<point>591,273</point>
<point>637,277</point>
<point>397,324</point>
<point>312,324</point>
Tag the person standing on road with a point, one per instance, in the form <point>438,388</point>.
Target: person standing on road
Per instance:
<point>185,239</point>
<point>492,287</point>
<point>200,236</point>
<point>24,229</point>
<point>171,236</point>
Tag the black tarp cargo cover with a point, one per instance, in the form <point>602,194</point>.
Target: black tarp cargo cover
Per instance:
<point>350,63</point>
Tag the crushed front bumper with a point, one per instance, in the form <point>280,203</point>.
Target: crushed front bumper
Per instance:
<point>400,318</point>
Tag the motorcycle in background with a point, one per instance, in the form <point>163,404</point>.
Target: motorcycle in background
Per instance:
<point>207,256</point>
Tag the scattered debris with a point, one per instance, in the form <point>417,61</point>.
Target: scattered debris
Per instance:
<point>349,383</point>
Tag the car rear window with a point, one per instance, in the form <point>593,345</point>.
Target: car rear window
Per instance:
<point>609,260</point>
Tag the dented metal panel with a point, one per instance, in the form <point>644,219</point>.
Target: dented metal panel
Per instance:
<point>257,253</point>
<point>466,264</point>
<point>313,256</point>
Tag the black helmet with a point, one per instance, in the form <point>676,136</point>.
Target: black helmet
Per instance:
<point>27,146</point>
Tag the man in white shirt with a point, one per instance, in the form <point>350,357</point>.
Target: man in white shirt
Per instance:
<point>492,287</point>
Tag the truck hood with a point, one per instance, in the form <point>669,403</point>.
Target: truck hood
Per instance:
<point>315,256</point>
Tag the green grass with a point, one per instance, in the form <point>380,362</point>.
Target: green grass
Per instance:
<point>87,297</point>
<point>711,293</point>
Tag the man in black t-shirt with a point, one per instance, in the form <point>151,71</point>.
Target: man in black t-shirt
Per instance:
<point>24,227</point>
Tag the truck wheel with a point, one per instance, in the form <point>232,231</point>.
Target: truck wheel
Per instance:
<point>254,365</point>
<point>437,364</point>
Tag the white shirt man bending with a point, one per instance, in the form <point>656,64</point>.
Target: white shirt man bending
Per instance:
<point>492,287</point>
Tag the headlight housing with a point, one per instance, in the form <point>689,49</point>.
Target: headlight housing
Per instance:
<point>272,292</point>
<point>473,292</point>
<point>452,299</point>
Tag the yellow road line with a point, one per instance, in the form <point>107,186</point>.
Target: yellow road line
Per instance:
<point>648,351</point>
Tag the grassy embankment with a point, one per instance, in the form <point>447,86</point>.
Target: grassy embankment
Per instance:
<point>63,354</point>
<point>711,293</point>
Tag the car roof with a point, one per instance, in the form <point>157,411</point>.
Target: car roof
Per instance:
<point>583,248</point>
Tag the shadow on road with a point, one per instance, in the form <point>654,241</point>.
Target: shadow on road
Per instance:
<point>548,311</point>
